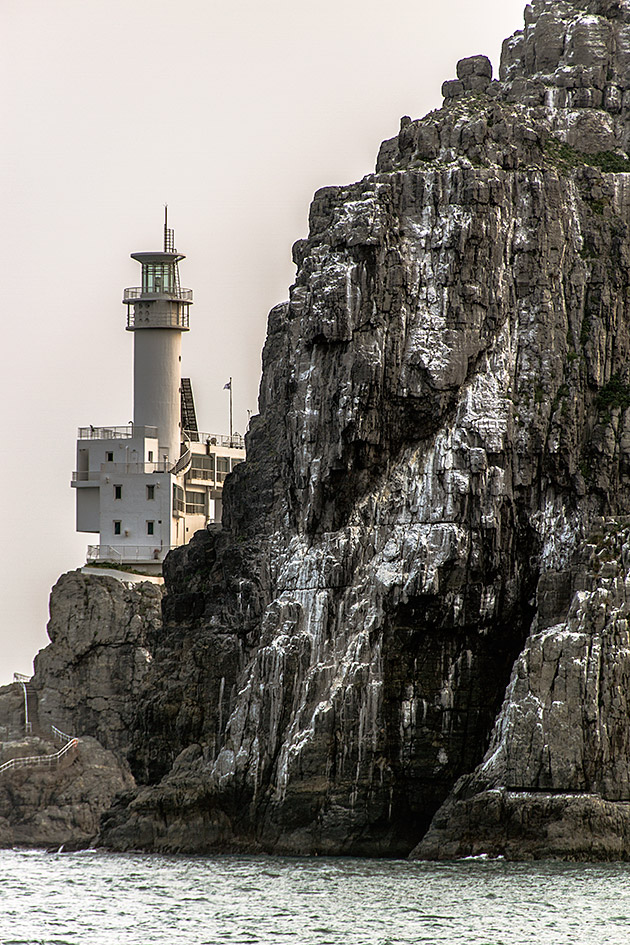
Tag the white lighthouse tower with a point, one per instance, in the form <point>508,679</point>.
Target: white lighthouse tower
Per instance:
<point>146,487</point>
<point>157,314</point>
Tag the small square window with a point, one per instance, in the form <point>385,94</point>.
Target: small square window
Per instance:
<point>118,492</point>
<point>150,492</point>
<point>109,457</point>
<point>117,526</point>
<point>150,528</point>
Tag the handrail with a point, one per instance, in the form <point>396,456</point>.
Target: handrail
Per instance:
<point>182,463</point>
<point>93,475</point>
<point>57,733</point>
<point>177,319</point>
<point>125,432</point>
<point>126,554</point>
<point>137,292</point>
<point>235,442</point>
<point>22,681</point>
<point>35,760</point>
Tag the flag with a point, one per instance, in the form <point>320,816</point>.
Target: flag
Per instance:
<point>228,386</point>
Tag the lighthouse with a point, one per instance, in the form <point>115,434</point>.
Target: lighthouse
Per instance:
<point>147,486</point>
<point>157,314</point>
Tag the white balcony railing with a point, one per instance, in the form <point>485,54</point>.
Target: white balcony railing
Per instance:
<point>126,554</point>
<point>178,319</point>
<point>86,475</point>
<point>116,433</point>
<point>137,292</point>
<point>118,469</point>
<point>235,442</point>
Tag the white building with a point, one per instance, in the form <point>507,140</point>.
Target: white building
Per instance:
<point>148,486</point>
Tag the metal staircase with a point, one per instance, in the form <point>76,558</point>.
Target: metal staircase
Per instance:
<point>189,416</point>
<point>67,752</point>
<point>69,744</point>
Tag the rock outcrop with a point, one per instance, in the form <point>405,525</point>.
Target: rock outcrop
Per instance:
<point>444,431</point>
<point>62,804</point>
<point>555,779</point>
<point>86,683</point>
<point>89,678</point>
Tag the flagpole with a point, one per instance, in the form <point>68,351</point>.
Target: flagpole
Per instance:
<point>231,441</point>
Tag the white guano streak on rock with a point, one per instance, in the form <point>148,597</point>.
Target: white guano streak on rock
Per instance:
<point>423,535</point>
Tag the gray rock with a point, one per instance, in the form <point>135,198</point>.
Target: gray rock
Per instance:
<point>474,66</point>
<point>89,679</point>
<point>51,807</point>
<point>87,683</point>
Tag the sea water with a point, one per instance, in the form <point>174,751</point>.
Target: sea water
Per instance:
<point>96,898</point>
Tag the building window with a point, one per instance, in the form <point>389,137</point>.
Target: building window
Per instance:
<point>150,528</point>
<point>157,277</point>
<point>201,467</point>
<point>117,527</point>
<point>223,467</point>
<point>109,457</point>
<point>150,492</point>
<point>195,503</point>
<point>150,456</point>
<point>118,492</point>
<point>179,503</point>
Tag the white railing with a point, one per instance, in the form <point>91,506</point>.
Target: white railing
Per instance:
<point>42,760</point>
<point>235,441</point>
<point>137,292</point>
<point>23,681</point>
<point>116,433</point>
<point>85,475</point>
<point>177,319</point>
<point>91,475</point>
<point>136,467</point>
<point>125,554</point>
<point>61,736</point>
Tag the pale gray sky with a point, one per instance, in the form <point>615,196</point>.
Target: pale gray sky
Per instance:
<point>234,113</point>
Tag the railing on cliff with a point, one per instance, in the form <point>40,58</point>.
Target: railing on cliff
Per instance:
<point>29,697</point>
<point>69,750</point>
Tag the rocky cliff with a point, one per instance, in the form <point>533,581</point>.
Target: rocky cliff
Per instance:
<point>412,626</point>
<point>86,683</point>
<point>101,630</point>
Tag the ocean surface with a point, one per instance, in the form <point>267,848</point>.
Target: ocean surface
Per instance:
<point>96,898</point>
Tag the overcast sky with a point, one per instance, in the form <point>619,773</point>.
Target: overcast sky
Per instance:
<point>234,113</point>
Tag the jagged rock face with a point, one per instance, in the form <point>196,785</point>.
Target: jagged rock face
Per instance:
<point>557,764</point>
<point>89,678</point>
<point>443,419</point>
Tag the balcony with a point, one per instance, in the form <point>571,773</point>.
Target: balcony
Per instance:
<point>135,293</point>
<point>116,433</point>
<point>84,475</point>
<point>234,442</point>
<point>178,319</point>
<point>95,475</point>
<point>126,554</point>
